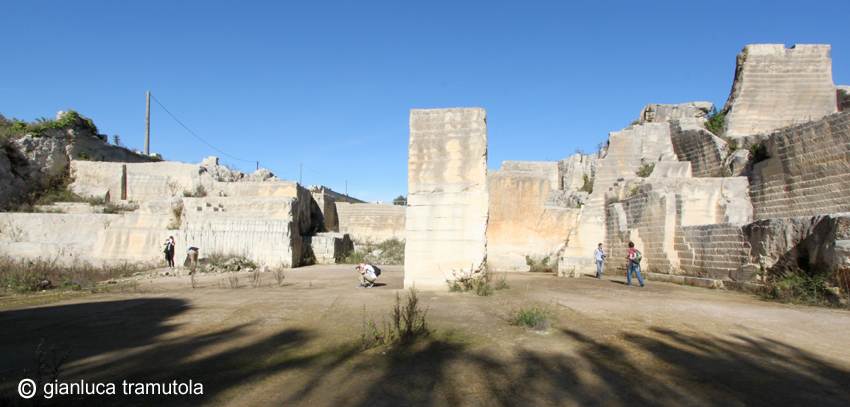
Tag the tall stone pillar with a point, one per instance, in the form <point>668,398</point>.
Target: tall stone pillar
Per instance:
<point>448,202</point>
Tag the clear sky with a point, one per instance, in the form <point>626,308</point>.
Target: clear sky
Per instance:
<point>331,84</point>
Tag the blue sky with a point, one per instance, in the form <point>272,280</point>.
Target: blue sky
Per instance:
<point>331,84</point>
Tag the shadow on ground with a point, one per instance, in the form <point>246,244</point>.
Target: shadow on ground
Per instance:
<point>132,340</point>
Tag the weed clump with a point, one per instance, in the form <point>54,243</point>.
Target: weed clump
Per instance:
<point>29,275</point>
<point>471,281</point>
<point>199,192</point>
<point>803,287</point>
<point>539,267</point>
<point>533,316</point>
<point>645,170</point>
<point>407,324</point>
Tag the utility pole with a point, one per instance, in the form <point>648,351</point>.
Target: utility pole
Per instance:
<point>346,187</point>
<point>148,127</point>
<point>258,165</point>
<point>300,173</point>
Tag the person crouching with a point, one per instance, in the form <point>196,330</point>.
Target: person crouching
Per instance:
<point>367,275</point>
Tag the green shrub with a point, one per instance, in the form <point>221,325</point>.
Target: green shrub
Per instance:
<point>645,170</point>
<point>533,316</point>
<point>800,287</point>
<point>714,122</point>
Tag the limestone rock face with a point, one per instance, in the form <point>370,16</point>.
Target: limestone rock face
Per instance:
<point>448,201</point>
<point>45,157</point>
<point>615,175</point>
<point>672,222</point>
<point>738,163</point>
<point>705,151</point>
<point>656,113</point>
<point>807,172</point>
<point>574,170</point>
<point>817,243</point>
<point>373,223</point>
<point>522,223</point>
<point>776,87</point>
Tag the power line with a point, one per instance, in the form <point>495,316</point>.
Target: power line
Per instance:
<point>196,136</point>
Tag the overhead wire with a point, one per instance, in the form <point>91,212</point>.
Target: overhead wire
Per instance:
<point>196,136</point>
<point>236,158</point>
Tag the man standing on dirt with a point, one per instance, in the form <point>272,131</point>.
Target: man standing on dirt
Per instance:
<point>367,275</point>
<point>169,251</point>
<point>599,255</point>
<point>633,265</point>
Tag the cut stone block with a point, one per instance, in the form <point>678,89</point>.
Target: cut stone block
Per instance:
<point>448,202</point>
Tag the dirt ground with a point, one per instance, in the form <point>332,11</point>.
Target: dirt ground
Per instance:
<point>299,344</point>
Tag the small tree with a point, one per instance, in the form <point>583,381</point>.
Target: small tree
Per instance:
<point>401,201</point>
<point>714,122</point>
<point>117,140</point>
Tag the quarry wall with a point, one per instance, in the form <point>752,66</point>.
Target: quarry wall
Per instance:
<point>448,202</point>
<point>520,222</point>
<point>693,143</point>
<point>775,87</point>
<point>808,172</point>
<point>372,222</point>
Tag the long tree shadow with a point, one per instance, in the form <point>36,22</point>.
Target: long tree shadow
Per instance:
<point>291,366</point>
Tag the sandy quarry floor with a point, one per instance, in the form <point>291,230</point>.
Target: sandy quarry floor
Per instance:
<point>612,345</point>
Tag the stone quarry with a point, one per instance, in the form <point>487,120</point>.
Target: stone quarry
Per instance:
<point>770,191</point>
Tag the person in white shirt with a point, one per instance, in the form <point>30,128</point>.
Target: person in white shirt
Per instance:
<point>599,255</point>
<point>367,275</point>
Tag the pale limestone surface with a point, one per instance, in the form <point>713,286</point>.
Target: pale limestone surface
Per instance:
<point>574,169</point>
<point>327,205</point>
<point>327,248</point>
<point>655,219</point>
<point>775,87</point>
<point>261,220</point>
<point>372,222</point>
<point>808,172</point>
<point>448,202</point>
<point>548,169</point>
<point>626,152</point>
<point>520,223</point>
<point>660,113</point>
<point>693,143</point>
<point>263,229</point>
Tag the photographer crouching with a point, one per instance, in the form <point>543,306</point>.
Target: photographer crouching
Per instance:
<point>368,275</point>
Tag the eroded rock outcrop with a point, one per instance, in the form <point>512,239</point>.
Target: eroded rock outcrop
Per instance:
<point>29,161</point>
<point>660,113</point>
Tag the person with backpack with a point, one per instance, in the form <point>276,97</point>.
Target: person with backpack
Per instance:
<point>368,275</point>
<point>635,256</point>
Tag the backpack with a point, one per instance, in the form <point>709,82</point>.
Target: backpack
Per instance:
<point>638,257</point>
<point>377,270</point>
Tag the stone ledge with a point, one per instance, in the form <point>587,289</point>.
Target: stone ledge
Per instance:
<point>701,282</point>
